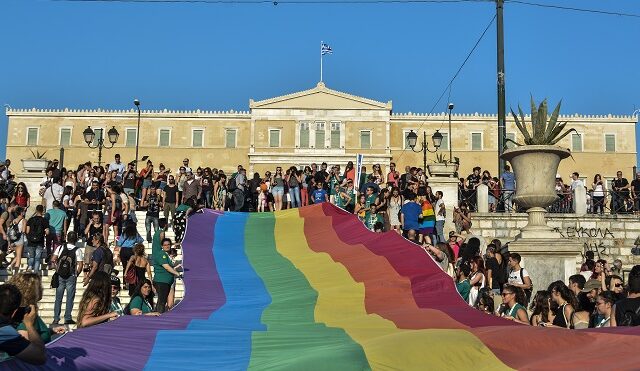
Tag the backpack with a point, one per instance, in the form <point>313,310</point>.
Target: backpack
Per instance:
<point>36,232</point>
<point>527,292</point>
<point>631,318</point>
<point>14,233</point>
<point>106,264</point>
<point>67,262</point>
<point>118,204</point>
<point>231,184</point>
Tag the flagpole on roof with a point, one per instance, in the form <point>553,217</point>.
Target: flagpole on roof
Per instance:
<point>321,42</point>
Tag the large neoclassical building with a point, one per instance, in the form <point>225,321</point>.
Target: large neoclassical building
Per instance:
<point>315,125</point>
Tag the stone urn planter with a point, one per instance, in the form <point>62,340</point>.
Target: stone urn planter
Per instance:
<point>35,164</point>
<point>442,169</point>
<point>535,168</point>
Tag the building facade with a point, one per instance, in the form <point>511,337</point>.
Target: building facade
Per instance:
<point>315,125</point>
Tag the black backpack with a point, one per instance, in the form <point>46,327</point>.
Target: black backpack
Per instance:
<point>36,232</point>
<point>67,262</point>
<point>631,318</point>
<point>118,203</point>
<point>527,292</point>
<point>106,264</point>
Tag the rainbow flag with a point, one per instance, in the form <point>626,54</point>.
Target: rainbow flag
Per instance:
<point>312,289</point>
<point>428,224</point>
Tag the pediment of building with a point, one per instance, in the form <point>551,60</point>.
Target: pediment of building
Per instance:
<point>320,97</point>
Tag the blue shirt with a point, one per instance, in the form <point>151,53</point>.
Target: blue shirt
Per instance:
<point>509,181</point>
<point>411,212</point>
<point>11,342</point>
<point>319,195</point>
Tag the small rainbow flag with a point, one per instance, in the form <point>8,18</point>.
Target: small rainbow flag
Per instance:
<point>428,223</point>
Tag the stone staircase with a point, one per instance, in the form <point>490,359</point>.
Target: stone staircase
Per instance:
<point>45,306</point>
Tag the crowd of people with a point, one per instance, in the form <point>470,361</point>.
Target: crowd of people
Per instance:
<point>83,226</point>
<point>620,197</point>
<point>493,281</point>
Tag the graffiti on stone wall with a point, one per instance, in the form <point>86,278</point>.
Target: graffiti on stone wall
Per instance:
<point>593,239</point>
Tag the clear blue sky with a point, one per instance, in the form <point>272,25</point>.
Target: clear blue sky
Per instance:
<point>188,56</point>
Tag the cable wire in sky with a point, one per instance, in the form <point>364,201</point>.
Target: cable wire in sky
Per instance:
<point>448,87</point>
<point>275,2</point>
<point>561,7</point>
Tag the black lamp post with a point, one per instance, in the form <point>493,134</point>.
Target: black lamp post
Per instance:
<point>449,135</point>
<point>90,135</point>
<point>412,139</point>
<point>137,103</point>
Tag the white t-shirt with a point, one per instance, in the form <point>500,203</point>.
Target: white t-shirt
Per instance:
<point>514,276</point>
<point>118,167</point>
<point>52,193</point>
<point>79,252</point>
<point>576,183</point>
<point>437,210</point>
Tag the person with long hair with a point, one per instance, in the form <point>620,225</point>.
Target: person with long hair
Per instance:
<point>30,286</point>
<point>361,207</point>
<point>513,304</point>
<point>140,264</point>
<point>565,304</point>
<point>599,189</point>
<point>485,301</point>
<point>477,278</point>
<point>17,238</point>
<point>142,299</point>
<point>127,241</point>
<point>305,177</point>
<point>378,177</point>
<point>599,272</point>
<point>21,196</point>
<point>541,309</point>
<point>394,204</point>
<point>96,302</point>
<point>277,188</point>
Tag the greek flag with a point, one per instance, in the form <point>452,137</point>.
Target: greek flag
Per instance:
<point>326,49</point>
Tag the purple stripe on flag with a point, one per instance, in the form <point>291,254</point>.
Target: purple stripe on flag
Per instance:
<point>126,343</point>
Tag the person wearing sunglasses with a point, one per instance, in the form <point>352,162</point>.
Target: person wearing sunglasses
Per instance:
<point>513,301</point>
<point>604,308</point>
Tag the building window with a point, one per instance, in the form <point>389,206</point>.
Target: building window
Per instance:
<point>304,135</point>
<point>32,136</point>
<point>320,135</point>
<point>365,139</point>
<point>335,134</point>
<point>99,134</point>
<point>445,141</point>
<point>274,137</point>
<point>576,142</point>
<point>164,138</point>
<point>197,138</point>
<point>507,143</point>
<point>65,136</point>
<point>404,139</point>
<point>130,137</point>
<point>230,138</point>
<point>609,142</point>
<point>476,141</point>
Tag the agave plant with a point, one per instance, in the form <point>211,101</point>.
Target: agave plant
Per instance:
<point>543,132</point>
<point>37,154</point>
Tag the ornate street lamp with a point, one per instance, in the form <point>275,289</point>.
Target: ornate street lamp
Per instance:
<point>90,135</point>
<point>412,140</point>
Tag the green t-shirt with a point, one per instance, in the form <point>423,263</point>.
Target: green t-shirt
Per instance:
<point>371,199</point>
<point>56,219</point>
<point>138,303</point>
<point>371,219</point>
<point>156,243</point>
<point>41,327</point>
<point>464,288</point>
<point>159,273</point>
